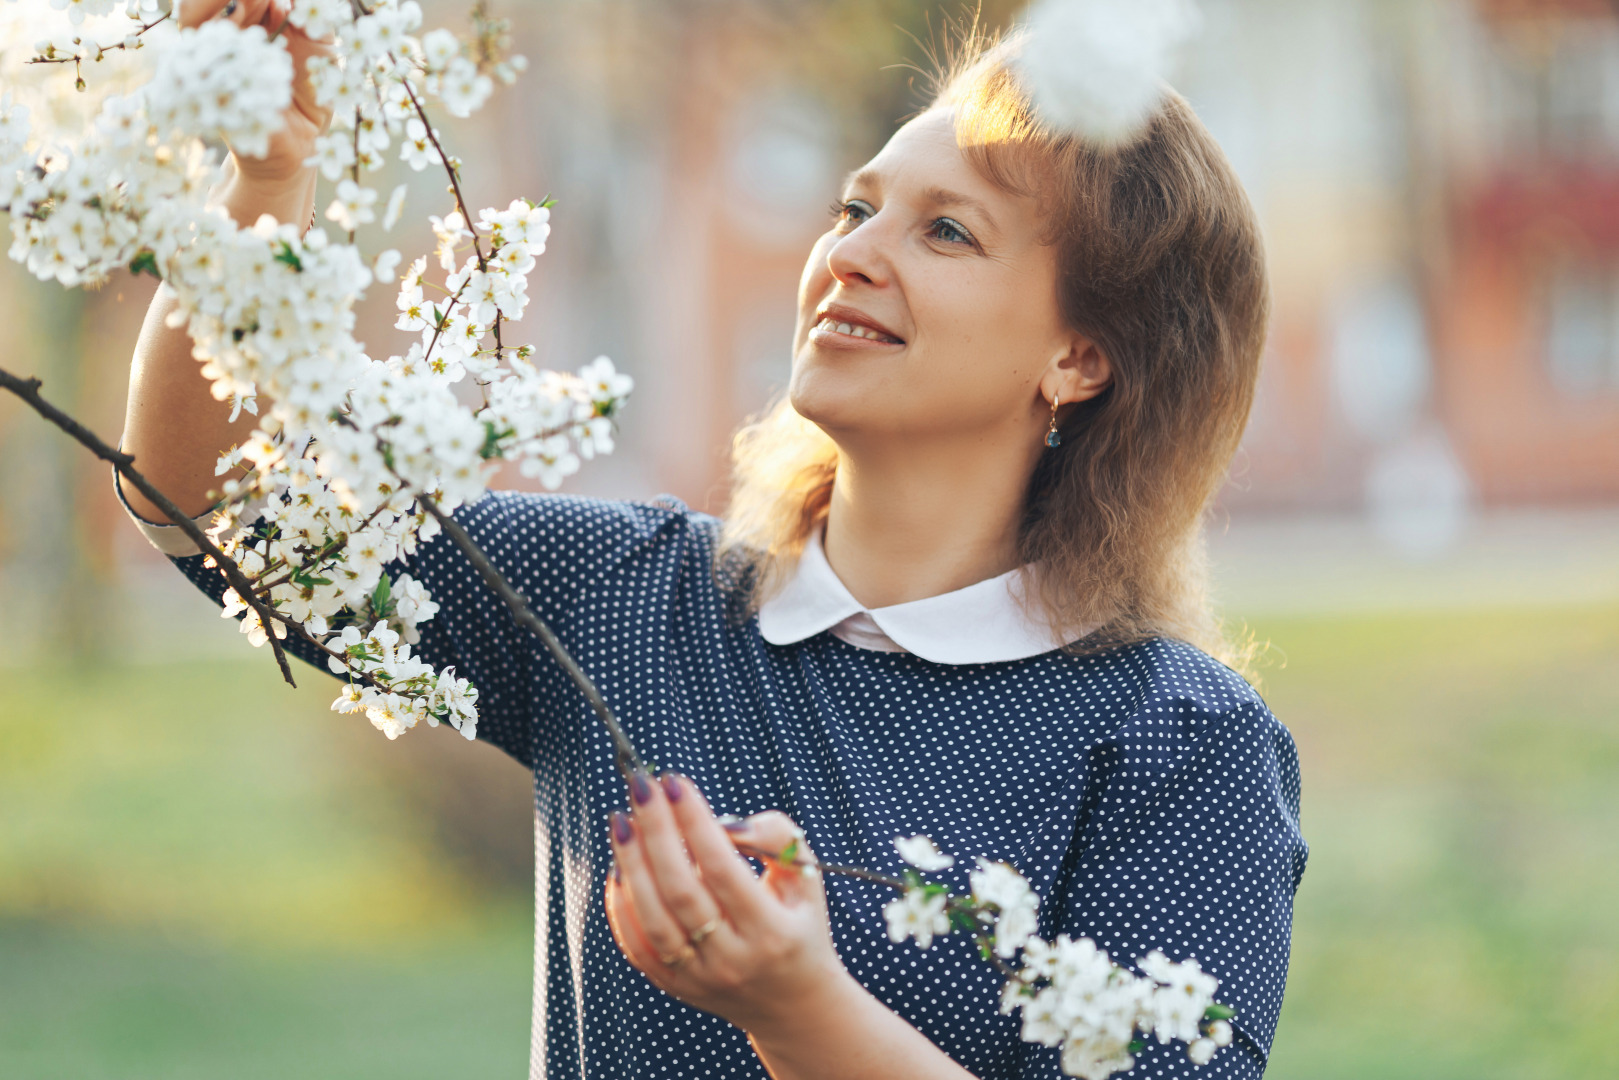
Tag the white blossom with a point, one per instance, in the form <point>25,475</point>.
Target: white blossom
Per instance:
<point>1179,1003</point>
<point>916,914</point>
<point>396,206</point>
<point>920,852</point>
<point>221,78</point>
<point>334,153</point>
<point>353,205</point>
<point>462,89</point>
<point>439,47</point>
<point>319,18</point>
<point>383,266</point>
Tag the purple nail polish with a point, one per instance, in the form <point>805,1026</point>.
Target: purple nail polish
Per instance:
<point>672,787</point>
<point>640,787</point>
<point>616,879</point>
<point>734,826</point>
<point>622,831</point>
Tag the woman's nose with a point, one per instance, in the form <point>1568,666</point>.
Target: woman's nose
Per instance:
<point>860,256</point>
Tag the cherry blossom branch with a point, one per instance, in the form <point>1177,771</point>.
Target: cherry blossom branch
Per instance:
<point>28,391</point>
<point>455,176</point>
<point>101,49</point>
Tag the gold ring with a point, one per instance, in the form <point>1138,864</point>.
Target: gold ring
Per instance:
<point>686,953</point>
<point>696,936</point>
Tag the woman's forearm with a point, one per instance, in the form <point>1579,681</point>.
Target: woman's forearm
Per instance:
<point>848,1035</point>
<point>172,424</point>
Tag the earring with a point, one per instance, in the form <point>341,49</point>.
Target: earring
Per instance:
<point>1052,438</point>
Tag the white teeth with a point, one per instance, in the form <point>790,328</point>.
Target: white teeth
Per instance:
<point>852,329</point>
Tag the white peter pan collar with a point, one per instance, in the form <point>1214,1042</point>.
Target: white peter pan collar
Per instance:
<point>982,624</point>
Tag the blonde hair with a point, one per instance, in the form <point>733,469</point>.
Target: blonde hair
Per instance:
<point>1160,262</point>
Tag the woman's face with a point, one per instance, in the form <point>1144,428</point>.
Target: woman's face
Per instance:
<point>929,310</point>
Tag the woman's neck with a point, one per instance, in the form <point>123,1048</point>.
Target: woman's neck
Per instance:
<point>910,525</point>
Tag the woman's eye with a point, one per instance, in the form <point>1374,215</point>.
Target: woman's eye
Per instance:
<point>946,229</point>
<point>853,211</point>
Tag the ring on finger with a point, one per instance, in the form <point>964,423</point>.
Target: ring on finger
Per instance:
<point>697,936</point>
<point>673,961</point>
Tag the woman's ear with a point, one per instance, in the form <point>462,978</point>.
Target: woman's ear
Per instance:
<point>1079,374</point>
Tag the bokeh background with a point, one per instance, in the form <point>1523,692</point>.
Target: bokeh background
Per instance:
<point>204,873</point>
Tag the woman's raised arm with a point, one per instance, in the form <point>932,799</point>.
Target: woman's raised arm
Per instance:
<point>172,424</point>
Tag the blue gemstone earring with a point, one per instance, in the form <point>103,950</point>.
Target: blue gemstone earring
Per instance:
<point>1052,438</point>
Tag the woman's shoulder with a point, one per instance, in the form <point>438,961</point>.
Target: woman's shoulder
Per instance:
<point>583,524</point>
<point>1177,692</point>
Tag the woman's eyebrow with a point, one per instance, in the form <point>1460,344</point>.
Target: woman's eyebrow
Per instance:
<point>862,178</point>
<point>938,196</point>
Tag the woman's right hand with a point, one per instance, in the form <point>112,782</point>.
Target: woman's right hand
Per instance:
<point>282,166</point>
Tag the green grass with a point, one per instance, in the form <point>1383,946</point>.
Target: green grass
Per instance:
<point>92,1004</point>
<point>1456,918</point>
<point>204,874</point>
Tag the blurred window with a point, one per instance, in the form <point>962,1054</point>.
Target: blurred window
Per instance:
<point>1554,87</point>
<point>1582,329</point>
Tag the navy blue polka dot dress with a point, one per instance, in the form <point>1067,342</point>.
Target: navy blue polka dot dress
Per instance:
<point>1148,794</point>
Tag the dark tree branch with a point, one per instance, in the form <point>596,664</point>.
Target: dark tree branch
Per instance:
<point>28,391</point>
<point>624,755</point>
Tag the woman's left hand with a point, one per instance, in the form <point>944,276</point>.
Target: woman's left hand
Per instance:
<point>690,912</point>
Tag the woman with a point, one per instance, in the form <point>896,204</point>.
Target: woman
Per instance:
<point>958,593</point>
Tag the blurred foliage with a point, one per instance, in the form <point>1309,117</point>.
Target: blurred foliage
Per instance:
<point>203,874</point>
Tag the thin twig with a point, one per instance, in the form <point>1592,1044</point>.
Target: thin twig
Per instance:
<point>28,391</point>
<point>624,755</point>
<point>455,177</point>
<point>100,48</point>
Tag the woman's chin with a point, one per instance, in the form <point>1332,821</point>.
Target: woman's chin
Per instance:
<point>835,394</point>
<point>833,402</point>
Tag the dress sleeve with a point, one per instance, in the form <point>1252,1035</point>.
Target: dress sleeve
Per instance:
<point>551,548</point>
<point>1188,842</point>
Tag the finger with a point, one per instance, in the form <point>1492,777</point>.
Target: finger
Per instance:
<point>666,936</point>
<point>792,872</point>
<point>730,880</point>
<point>627,932</point>
<point>684,894</point>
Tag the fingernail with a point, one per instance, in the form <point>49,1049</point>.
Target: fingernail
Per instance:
<point>671,786</point>
<point>641,787</point>
<point>616,879</point>
<point>739,825</point>
<point>622,831</point>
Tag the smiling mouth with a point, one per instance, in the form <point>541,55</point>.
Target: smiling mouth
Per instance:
<point>854,330</point>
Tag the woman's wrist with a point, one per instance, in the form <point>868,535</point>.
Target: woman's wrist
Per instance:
<point>245,198</point>
<point>841,1032</point>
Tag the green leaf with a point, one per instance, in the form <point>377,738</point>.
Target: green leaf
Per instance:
<point>1137,1045</point>
<point>286,255</point>
<point>789,854</point>
<point>913,880</point>
<point>145,262</point>
<point>961,919</point>
<point>491,440</point>
<point>382,598</point>
<point>549,201</point>
<point>305,579</point>
<point>1218,1011</point>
